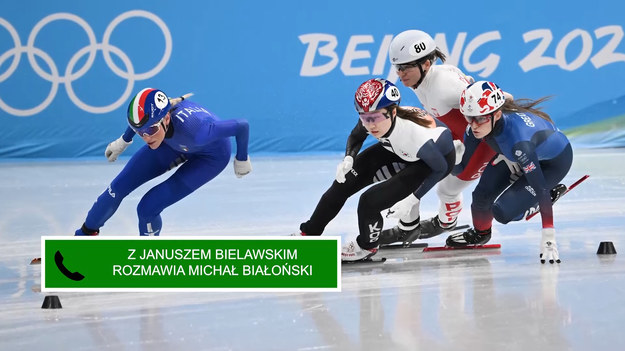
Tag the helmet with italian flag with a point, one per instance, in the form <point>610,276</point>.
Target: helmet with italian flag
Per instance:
<point>147,108</point>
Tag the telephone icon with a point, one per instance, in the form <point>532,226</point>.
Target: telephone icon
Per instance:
<point>58,259</point>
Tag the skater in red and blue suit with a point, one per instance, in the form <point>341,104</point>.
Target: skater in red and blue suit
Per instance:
<point>526,136</point>
<point>178,134</point>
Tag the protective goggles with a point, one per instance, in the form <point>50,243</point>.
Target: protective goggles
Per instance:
<point>148,131</point>
<point>404,66</point>
<point>373,117</point>
<point>479,120</point>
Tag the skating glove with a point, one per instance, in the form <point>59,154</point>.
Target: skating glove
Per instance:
<point>343,168</point>
<point>115,148</point>
<point>548,246</point>
<point>514,167</point>
<point>402,208</point>
<point>242,168</point>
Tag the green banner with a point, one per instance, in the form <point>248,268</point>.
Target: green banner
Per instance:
<point>207,263</point>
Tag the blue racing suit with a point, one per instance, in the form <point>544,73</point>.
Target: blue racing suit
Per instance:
<point>545,156</point>
<point>197,141</point>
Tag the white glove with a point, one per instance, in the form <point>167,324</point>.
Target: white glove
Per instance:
<point>514,167</point>
<point>115,148</point>
<point>343,168</point>
<point>242,168</point>
<point>459,146</point>
<point>402,208</point>
<point>548,246</point>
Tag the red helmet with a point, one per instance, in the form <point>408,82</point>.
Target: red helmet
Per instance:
<point>375,94</point>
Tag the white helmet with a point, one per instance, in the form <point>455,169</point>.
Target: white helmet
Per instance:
<point>481,98</point>
<point>409,46</point>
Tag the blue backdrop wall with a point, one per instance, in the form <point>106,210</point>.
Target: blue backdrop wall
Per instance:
<point>69,68</point>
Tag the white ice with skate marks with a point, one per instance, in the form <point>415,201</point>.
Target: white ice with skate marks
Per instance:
<point>415,300</point>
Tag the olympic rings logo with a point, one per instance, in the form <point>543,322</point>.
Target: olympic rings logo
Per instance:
<point>70,76</point>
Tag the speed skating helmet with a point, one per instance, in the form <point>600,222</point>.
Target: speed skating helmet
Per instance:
<point>147,108</point>
<point>481,98</point>
<point>410,45</point>
<point>375,94</point>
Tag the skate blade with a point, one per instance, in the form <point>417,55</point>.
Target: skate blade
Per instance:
<point>368,260</point>
<point>400,246</point>
<point>36,260</point>
<point>469,247</point>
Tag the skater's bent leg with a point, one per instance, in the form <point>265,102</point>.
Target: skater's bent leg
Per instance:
<point>144,165</point>
<point>329,206</point>
<point>155,201</point>
<point>189,177</point>
<point>382,196</point>
<point>515,202</point>
<point>493,182</point>
<point>363,173</point>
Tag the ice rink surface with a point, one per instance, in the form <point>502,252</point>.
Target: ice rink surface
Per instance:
<point>453,300</point>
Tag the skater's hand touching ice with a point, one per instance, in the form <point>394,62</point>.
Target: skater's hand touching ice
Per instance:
<point>548,246</point>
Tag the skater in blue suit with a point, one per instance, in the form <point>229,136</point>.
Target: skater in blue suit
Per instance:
<point>529,140</point>
<point>178,133</point>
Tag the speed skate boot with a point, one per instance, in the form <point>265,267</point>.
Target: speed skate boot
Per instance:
<point>352,252</point>
<point>471,237</point>
<point>557,192</point>
<point>397,234</point>
<point>433,227</point>
<point>84,231</point>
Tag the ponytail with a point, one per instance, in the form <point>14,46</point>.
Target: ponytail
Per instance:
<point>415,115</point>
<point>527,105</point>
<point>176,101</point>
